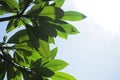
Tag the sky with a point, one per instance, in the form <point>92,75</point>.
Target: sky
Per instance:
<point>94,54</point>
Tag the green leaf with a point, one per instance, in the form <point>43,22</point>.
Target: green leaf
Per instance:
<point>13,73</point>
<point>44,49</point>
<point>66,27</point>
<point>3,10</point>
<point>53,53</point>
<point>35,10</point>
<point>59,3</point>
<point>18,37</point>
<point>46,72</point>
<point>2,70</point>
<point>36,64</point>
<point>21,4</point>
<point>62,34</point>
<point>21,59</point>
<point>12,4</point>
<point>73,16</point>
<point>23,46</point>
<point>56,65</point>
<point>13,24</point>
<point>51,40</point>
<point>52,12</point>
<point>62,76</point>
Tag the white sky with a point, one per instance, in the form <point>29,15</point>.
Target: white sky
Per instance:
<point>94,54</point>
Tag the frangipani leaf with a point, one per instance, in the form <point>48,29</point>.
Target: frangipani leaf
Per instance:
<point>52,12</point>
<point>18,37</point>
<point>59,3</point>
<point>44,49</point>
<point>13,24</point>
<point>56,65</point>
<point>12,4</point>
<point>2,70</point>
<point>73,16</point>
<point>62,76</point>
<point>3,10</point>
<point>53,53</point>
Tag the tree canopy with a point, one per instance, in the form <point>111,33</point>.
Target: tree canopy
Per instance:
<point>26,55</point>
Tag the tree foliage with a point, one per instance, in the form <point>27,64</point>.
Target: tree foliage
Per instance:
<point>26,54</point>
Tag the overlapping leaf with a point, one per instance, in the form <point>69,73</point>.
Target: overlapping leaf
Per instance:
<point>56,65</point>
<point>52,12</point>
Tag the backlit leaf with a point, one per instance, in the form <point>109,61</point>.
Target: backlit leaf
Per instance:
<point>52,12</point>
<point>44,49</point>
<point>73,16</point>
<point>59,3</point>
<point>56,65</point>
<point>53,53</point>
<point>62,76</point>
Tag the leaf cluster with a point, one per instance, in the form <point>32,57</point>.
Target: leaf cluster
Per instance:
<point>27,54</point>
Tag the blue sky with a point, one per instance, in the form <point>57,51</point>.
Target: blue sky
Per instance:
<point>94,54</point>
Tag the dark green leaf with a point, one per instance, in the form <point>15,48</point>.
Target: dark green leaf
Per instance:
<point>52,12</point>
<point>21,59</point>
<point>13,24</point>
<point>2,70</point>
<point>43,71</point>
<point>36,64</point>
<point>62,76</point>
<point>53,53</point>
<point>3,10</point>
<point>73,16</point>
<point>21,4</point>
<point>46,72</point>
<point>56,65</point>
<point>66,27</point>
<point>59,3</point>
<point>35,10</point>
<point>23,46</point>
<point>12,4</point>
<point>19,37</point>
<point>13,73</point>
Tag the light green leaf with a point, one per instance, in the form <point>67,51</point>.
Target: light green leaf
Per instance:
<point>62,76</point>
<point>59,3</point>
<point>53,53</point>
<point>56,65</point>
<point>73,16</point>
<point>44,49</point>
<point>52,12</point>
<point>62,34</point>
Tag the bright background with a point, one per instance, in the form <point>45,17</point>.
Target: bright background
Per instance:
<point>94,54</point>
